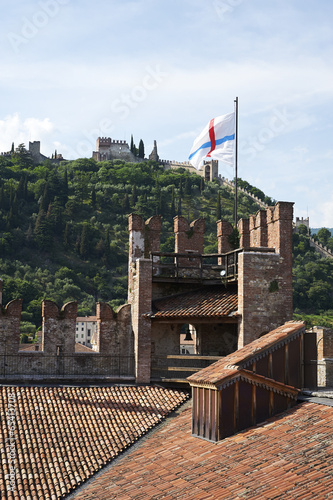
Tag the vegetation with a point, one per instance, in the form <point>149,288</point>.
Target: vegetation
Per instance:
<point>63,228</point>
<point>313,280</point>
<point>63,231</point>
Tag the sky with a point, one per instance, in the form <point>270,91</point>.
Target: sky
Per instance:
<point>74,70</point>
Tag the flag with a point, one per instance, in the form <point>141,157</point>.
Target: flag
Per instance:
<point>217,140</point>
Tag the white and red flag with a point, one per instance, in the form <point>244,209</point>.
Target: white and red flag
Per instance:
<point>217,140</point>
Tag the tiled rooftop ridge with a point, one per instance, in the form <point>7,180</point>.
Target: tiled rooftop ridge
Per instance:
<point>251,384</point>
<point>248,354</point>
<point>63,435</point>
<point>204,303</point>
<point>287,457</point>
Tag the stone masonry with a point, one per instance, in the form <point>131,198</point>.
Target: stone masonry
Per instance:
<point>265,272</point>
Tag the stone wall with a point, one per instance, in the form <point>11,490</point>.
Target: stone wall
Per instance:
<point>10,318</point>
<point>56,353</point>
<point>265,271</point>
<point>108,149</point>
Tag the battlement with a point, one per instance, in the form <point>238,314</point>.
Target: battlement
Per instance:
<point>107,142</point>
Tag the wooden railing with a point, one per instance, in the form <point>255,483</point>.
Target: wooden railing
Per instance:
<point>195,266</point>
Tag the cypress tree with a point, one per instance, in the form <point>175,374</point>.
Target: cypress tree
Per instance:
<point>172,208</point>
<point>84,241</point>
<point>202,185</point>
<point>134,198</point>
<point>93,198</point>
<point>141,152</point>
<point>179,211</point>
<point>218,206</point>
<point>66,235</point>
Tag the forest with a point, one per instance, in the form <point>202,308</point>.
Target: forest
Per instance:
<point>63,231</point>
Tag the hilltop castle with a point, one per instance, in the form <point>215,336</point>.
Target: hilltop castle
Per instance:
<point>36,155</point>
<point>109,149</point>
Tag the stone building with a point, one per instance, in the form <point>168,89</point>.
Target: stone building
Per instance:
<point>109,149</point>
<point>86,327</point>
<point>230,298</point>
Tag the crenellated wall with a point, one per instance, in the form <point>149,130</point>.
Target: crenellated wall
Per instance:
<point>58,327</point>
<point>265,271</point>
<point>189,238</point>
<point>10,319</point>
<point>56,354</point>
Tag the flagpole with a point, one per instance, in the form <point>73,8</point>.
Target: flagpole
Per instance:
<point>236,163</point>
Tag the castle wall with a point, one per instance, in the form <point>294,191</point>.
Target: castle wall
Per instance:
<point>10,318</point>
<point>108,149</point>
<point>58,328</point>
<point>189,238</point>
<point>264,277</point>
<point>114,331</point>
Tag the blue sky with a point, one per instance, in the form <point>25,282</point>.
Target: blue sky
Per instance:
<point>73,70</point>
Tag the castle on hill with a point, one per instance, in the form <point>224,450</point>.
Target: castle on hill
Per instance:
<point>36,156</point>
<point>109,149</point>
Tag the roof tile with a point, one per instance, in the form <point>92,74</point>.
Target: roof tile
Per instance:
<point>207,302</point>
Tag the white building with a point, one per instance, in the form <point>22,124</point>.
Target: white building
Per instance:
<point>85,328</point>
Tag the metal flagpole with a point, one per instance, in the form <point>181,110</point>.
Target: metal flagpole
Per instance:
<point>236,162</point>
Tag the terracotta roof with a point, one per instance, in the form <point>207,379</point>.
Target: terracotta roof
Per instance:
<point>208,302</point>
<point>83,319</point>
<point>245,356</point>
<point>63,435</point>
<point>27,347</point>
<point>82,348</point>
<point>287,457</point>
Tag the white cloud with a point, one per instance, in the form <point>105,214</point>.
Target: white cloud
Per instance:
<point>14,128</point>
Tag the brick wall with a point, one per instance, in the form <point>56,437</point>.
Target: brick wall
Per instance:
<point>265,278</point>
<point>114,330</point>
<point>189,238</point>
<point>224,230</point>
<point>141,325</point>
<point>10,318</point>
<point>58,333</point>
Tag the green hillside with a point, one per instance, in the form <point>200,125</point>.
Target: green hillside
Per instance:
<point>63,230</point>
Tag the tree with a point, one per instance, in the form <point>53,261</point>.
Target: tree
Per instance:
<point>134,198</point>
<point>218,206</point>
<point>202,185</point>
<point>179,210</point>
<point>93,198</point>
<point>22,158</point>
<point>302,229</point>
<point>141,152</point>
<point>172,208</point>
<point>84,241</point>
<point>323,236</point>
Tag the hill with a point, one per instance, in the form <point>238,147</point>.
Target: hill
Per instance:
<point>63,229</point>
